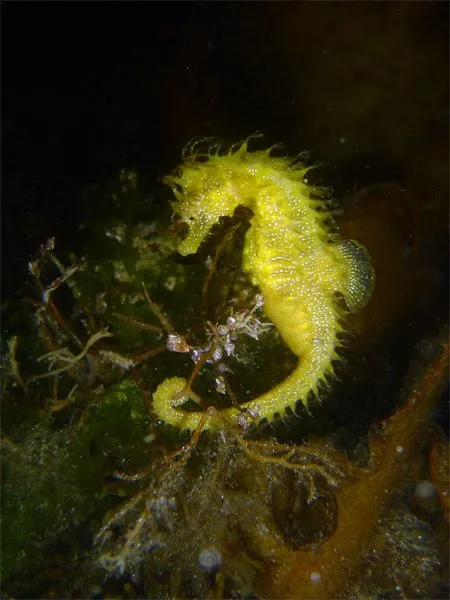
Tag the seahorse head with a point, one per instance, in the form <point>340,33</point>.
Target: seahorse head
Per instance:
<point>207,187</point>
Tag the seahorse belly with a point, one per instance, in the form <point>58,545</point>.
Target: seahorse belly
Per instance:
<point>289,253</point>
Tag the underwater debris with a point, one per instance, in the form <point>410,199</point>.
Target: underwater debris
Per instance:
<point>231,500</point>
<point>64,355</point>
<point>10,366</point>
<point>210,559</point>
<point>439,465</point>
<point>360,503</point>
<point>188,510</point>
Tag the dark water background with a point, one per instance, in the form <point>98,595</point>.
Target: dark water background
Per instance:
<point>89,88</point>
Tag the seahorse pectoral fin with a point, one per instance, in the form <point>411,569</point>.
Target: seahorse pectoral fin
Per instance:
<point>360,276</point>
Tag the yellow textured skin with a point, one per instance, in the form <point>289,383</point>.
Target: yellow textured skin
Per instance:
<point>289,253</point>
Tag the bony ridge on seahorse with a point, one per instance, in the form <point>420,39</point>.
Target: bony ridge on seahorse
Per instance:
<point>290,253</point>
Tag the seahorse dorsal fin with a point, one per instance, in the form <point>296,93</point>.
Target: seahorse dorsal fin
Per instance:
<point>360,278</point>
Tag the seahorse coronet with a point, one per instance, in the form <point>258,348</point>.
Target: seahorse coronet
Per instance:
<point>291,252</point>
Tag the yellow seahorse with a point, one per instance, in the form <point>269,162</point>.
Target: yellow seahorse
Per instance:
<point>290,253</point>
